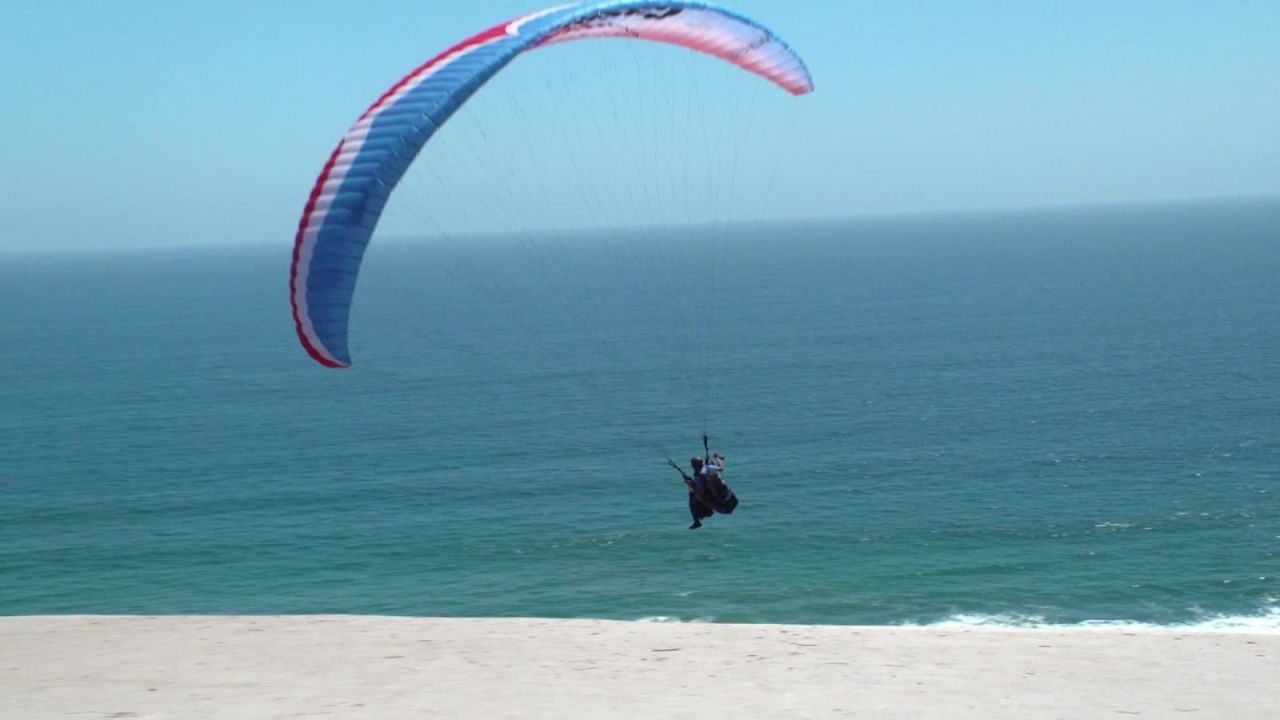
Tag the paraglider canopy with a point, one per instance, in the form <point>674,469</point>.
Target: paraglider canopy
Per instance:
<point>356,182</point>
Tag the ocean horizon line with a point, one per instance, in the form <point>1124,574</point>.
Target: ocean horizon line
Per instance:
<point>561,232</point>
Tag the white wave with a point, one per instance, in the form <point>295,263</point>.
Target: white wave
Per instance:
<point>1265,622</point>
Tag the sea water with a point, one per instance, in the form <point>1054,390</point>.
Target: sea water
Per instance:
<point>1064,417</point>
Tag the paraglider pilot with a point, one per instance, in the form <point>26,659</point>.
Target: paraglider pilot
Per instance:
<point>708,493</point>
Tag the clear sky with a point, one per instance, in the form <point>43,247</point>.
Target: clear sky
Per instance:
<point>141,123</point>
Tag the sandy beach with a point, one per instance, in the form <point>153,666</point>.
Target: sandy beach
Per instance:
<point>391,667</point>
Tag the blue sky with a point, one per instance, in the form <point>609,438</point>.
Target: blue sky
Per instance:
<point>141,123</point>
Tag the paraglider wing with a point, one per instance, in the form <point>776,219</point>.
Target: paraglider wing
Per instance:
<point>356,182</point>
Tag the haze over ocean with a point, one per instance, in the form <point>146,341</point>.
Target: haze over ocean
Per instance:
<point>1064,415</point>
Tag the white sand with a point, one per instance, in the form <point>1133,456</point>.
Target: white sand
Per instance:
<point>391,668</point>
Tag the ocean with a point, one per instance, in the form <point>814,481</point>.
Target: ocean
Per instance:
<point>1063,417</point>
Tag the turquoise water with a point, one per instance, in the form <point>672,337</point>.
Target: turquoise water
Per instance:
<point>1063,417</point>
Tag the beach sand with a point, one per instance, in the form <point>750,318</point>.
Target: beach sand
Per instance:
<point>392,667</point>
